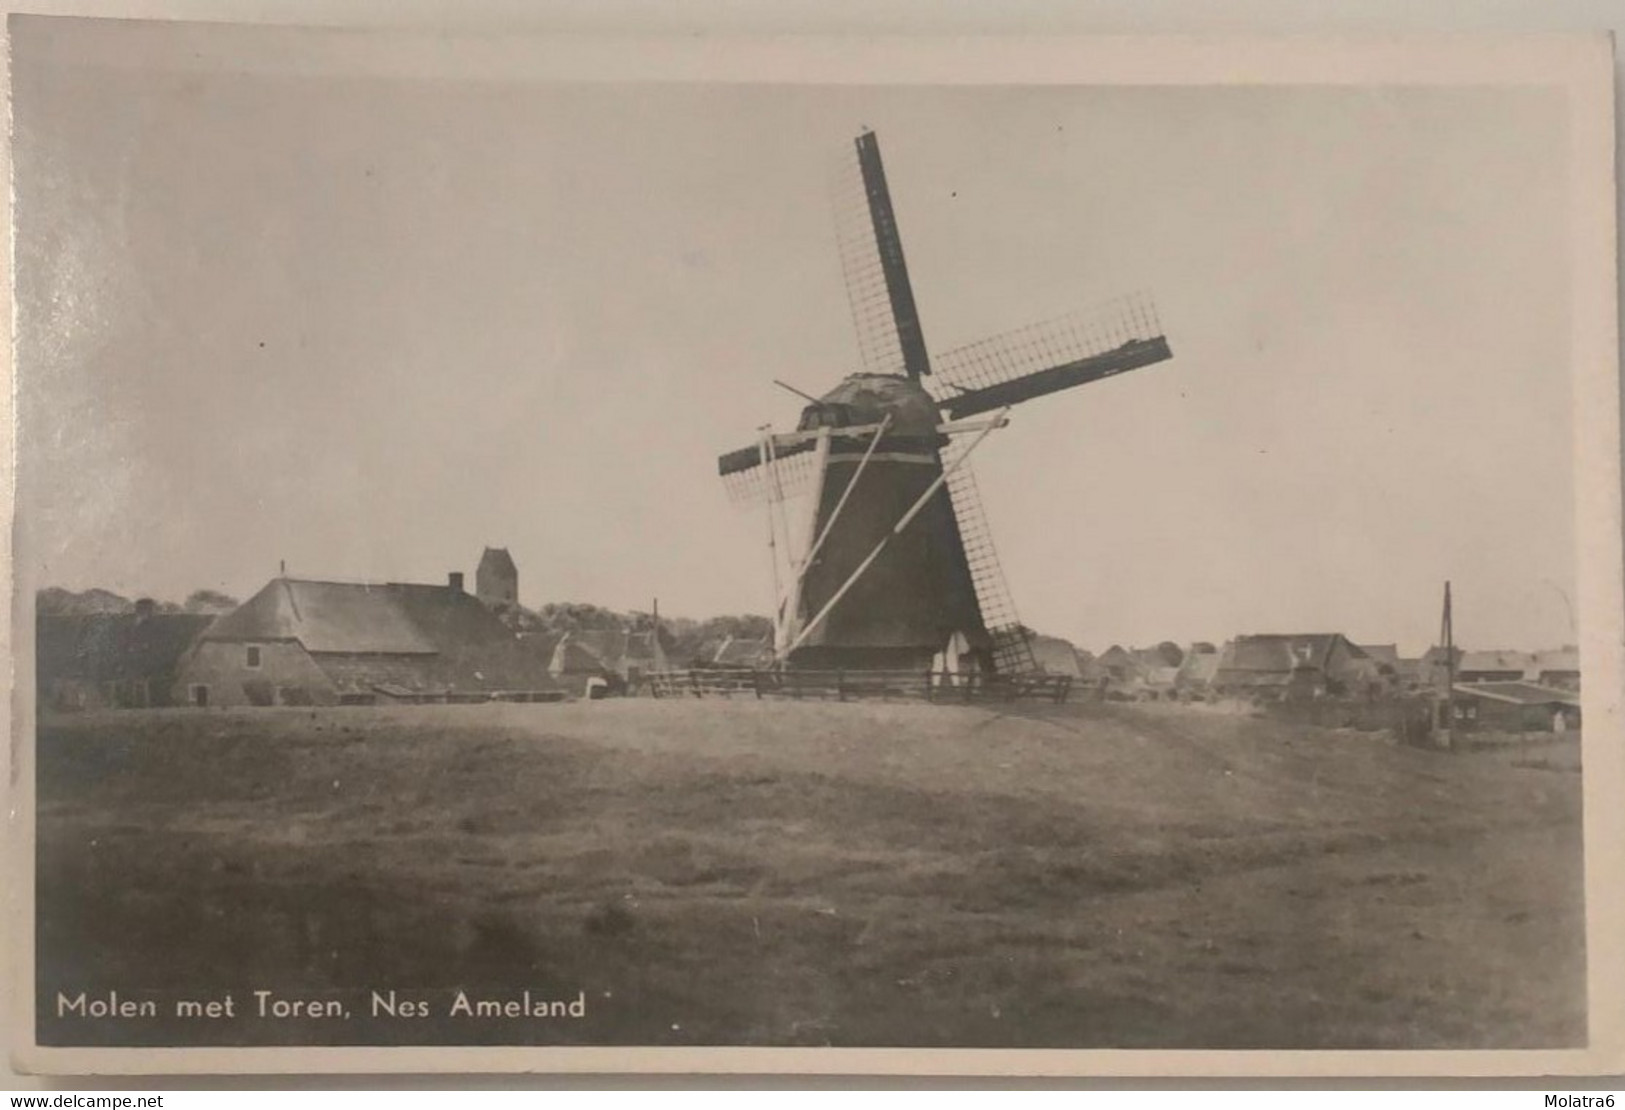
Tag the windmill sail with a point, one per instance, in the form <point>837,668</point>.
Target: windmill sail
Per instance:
<point>893,566</point>
<point>1011,644</point>
<point>884,314</point>
<point>1117,337</point>
<point>789,465</point>
<point>750,481</point>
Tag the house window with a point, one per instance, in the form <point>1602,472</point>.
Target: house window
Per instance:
<point>254,656</point>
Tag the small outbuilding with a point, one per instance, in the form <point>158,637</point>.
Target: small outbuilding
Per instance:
<point>1516,707</point>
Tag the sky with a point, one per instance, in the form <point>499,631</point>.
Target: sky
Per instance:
<point>368,324</point>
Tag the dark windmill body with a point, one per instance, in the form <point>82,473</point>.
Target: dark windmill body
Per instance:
<point>895,569</point>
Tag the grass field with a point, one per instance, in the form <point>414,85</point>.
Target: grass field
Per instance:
<point>799,873</point>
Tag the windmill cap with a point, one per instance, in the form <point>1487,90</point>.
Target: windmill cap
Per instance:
<point>870,398</point>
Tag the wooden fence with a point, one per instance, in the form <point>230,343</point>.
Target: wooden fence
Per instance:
<point>928,686</point>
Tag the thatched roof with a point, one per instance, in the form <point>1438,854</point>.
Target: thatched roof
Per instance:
<point>419,637</point>
<point>111,647</point>
<point>328,617</point>
<point>1056,656</point>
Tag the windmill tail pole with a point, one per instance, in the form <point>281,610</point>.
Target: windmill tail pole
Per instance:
<point>914,511</point>
<point>764,450</point>
<point>791,601</point>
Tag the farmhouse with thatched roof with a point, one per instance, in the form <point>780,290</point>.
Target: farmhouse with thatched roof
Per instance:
<point>305,642</point>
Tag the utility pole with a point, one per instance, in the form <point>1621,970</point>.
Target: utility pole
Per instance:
<point>1447,636</point>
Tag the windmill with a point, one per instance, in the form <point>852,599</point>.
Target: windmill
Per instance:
<point>891,564</point>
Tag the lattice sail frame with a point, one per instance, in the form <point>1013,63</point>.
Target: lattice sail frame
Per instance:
<point>1012,646</point>
<point>1042,352</point>
<point>880,348</point>
<point>788,477</point>
<point>1110,338</point>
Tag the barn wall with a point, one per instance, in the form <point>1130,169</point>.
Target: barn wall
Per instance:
<point>286,675</point>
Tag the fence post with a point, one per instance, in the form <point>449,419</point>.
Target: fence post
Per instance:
<point>930,694</point>
<point>756,681</point>
<point>840,685</point>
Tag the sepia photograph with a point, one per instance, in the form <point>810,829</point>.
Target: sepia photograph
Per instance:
<point>694,546</point>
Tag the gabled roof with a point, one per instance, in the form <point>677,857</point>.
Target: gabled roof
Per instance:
<point>107,647</point>
<point>1382,653</point>
<point>571,656</point>
<point>327,617</point>
<point>1519,661</point>
<point>1562,659</point>
<point>472,645</point>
